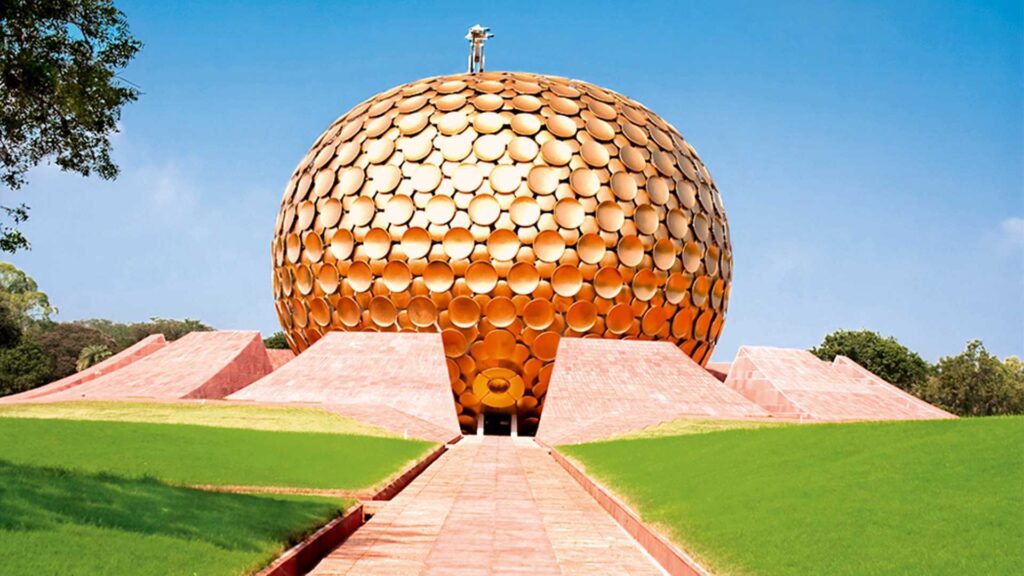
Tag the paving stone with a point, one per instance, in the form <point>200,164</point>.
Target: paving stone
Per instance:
<point>491,506</point>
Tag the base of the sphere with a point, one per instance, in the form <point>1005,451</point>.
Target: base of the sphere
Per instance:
<point>601,388</point>
<point>200,365</point>
<point>400,381</point>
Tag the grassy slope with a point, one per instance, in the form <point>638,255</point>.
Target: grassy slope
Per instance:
<point>278,418</point>
<point>206,455</point>
<point>940,497</point>
<point>686,426</point>
<point>58,522</point>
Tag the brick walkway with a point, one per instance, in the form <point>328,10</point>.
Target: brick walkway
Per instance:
<point>495,505</point>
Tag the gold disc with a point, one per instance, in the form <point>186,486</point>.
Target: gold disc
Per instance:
<point>500,311</point>
<point>463,311</point>
<point>503,245</point>
<point>523,278</point>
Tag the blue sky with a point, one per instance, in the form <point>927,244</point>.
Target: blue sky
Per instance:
<point>870,155</point>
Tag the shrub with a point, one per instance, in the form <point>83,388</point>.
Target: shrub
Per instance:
<point>276,341</point>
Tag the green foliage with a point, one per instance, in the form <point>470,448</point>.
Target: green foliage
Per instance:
<point>36,349</point>
<point>23,367</point>
<point>91,356</point>
<point>60,91</point>
<point>976,383</point>
<point>63,343</point>
<point>21,294</point>
<point>276,341</point>
<point>884,357</point>
<point>10,329</point>
<point>11,239</point>
<point>935,497</point>
<point>124,335</point>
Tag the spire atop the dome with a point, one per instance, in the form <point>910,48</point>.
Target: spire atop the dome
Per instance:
<point>476,36</point>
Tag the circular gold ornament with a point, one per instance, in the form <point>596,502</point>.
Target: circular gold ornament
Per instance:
<point>504,211</point>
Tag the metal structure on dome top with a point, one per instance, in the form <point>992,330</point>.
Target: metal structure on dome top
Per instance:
<point>477,35</point>
<point>505,211</point>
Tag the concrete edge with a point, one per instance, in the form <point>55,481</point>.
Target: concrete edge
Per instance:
<point>398,484</point>
<point>305,555</point>
<point>674,560</point>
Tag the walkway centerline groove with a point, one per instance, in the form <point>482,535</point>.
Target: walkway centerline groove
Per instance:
<point>490,506</point>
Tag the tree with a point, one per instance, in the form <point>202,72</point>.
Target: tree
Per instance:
<point>23,367</point>
<point>91,356</point>
<point>884,357</point>
<point>63,344</point>
<point>20,293</point>
<point>124,335</point>
<point>60,91</point>
<point>171,329</point>
<point>276,341</point>
<point>10,329</point>
<point>976,383</point>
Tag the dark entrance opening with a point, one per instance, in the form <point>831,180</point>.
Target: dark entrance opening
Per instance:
<point>497,423</point>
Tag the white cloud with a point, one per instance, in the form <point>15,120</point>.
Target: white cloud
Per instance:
<point>1012,230</point>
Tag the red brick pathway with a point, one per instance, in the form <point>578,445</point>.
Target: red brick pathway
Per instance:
<point>495,505</point>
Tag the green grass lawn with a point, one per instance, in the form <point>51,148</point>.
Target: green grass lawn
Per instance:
<point>686,426</point>
<point>937,497</point>
<point>187,454</point>
<point>56,522</point>
<point>210,413</point>
<point>108,493</point>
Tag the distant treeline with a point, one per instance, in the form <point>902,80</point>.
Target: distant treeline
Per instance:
<point>35,349</point>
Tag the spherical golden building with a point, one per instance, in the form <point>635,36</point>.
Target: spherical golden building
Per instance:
<point>506,211</point>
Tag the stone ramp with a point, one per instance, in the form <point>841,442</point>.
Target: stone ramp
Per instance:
<point>279,358</point>
<point>720,370</point>
<point>600,388</point>
<point>794,383</point>
<point>135,352</point>
<point>398,381</point>
<point>197,365</point>
<point>491,505</point>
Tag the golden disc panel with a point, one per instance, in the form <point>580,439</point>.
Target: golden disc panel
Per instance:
<point>463,312</point>
<point>506,211</point>
<point>503,244</point>
<point>500,312</point>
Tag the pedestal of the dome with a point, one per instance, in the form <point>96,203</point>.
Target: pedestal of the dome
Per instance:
<point>600,388</point>
<point>199,365</point>
<point>794,383</point>
<point>398,381</point>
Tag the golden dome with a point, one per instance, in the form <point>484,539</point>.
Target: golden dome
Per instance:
<point>505,210</point>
